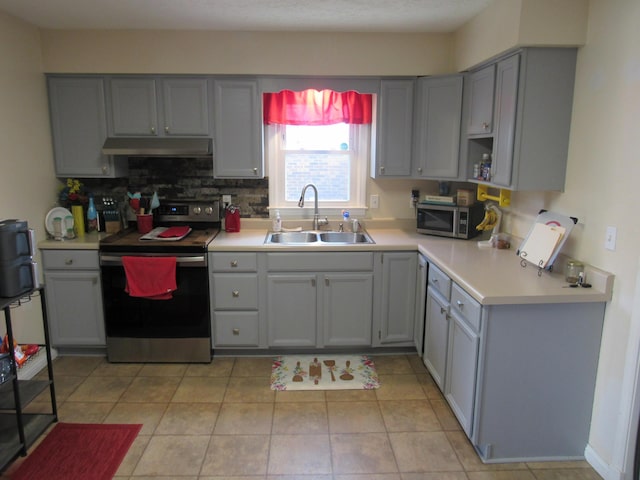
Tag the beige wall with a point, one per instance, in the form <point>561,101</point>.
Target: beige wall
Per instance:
<point>83,51</point>
<point>506,24</point>
<point>27,183</point>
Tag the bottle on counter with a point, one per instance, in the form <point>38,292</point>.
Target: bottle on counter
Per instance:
<point>92,216</point>
<point>277,222</point>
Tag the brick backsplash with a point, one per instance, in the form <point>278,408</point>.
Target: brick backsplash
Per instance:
<point>184,178</point>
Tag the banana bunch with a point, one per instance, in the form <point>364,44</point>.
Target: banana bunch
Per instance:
<point>489,221</point>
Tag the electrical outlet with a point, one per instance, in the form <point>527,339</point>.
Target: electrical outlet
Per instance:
<point>374,201</point>
<point>226,199</point>
<point>610,238</point>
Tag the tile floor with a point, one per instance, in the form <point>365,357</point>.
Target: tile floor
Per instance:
<point>222,421</point>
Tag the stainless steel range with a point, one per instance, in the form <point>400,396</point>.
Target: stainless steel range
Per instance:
<point>174,329</point>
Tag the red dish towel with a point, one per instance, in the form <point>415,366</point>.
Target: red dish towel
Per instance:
<point>175,232</point>
<point>150,277</point>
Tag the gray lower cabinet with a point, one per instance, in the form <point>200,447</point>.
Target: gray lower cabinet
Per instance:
<point>519,378</point>
<point>395,315</point>
<point>462,355</point>
<point>318,300</point>
<point>421,299</point>
<point>79,127</point>
<point>436,333</point>
<point>237,128</point>
<point>74,298</point>
<point>235,290</point>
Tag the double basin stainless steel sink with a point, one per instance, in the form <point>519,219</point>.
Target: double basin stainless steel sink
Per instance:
<point>318,238</point>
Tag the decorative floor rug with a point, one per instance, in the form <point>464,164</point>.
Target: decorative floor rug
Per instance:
<point>76,451</point>
<point>323,372</point>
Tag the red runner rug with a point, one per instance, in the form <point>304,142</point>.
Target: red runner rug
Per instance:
<point>74,451</point>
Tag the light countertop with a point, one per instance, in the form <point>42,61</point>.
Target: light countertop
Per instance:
<point>491,276</point>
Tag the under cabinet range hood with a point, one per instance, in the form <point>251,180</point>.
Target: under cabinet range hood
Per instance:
<point>158,146</point>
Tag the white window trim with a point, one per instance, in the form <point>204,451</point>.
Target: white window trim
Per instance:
<point>274,166</point>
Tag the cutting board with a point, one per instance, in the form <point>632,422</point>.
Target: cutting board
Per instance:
<point>545,239</point>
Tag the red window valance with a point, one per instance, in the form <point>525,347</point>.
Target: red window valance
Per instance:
<point>313,107</point>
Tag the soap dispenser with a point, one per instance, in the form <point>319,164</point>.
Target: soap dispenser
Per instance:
<point>277,222</point>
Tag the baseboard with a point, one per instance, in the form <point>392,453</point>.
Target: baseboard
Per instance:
<point>605,470</point>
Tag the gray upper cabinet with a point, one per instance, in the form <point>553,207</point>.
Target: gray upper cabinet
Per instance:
<point>481,86</point>
<point>391,155</point>
<point>237,129</point>
<point>437,127</point>
<point>148,106</point>
<point>533,104</point>
<point>79,127</point>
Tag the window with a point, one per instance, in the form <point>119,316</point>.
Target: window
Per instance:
<point>334,157</point>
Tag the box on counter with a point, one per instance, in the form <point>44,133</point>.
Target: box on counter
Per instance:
<point>465,197</point>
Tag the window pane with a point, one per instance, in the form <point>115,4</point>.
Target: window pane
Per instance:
<point>329,172</point>
<point>320,137</point>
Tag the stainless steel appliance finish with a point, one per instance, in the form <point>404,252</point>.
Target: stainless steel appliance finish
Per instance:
<point>453,221</point>
<point>173,330</point>
<point>158,146</point>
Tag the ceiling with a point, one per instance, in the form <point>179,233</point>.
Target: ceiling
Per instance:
<point>249,15</point>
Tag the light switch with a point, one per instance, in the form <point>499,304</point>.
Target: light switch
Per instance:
<point>610,239</point>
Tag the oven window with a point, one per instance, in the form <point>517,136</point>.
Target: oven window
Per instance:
<point>186,315</point>
<point>436,220</point>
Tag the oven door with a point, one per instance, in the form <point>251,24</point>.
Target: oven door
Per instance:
<point>144,330</point>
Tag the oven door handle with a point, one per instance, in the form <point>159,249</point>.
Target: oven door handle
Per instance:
<point>115,260</point>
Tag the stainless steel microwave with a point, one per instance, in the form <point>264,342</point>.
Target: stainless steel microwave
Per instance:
<point>449,220</point>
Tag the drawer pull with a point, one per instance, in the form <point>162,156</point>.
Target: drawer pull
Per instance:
<point>460,304</point>
<point>235,293</point>
<point>68,261</point>
<point>234,263</point>
<point>443,310</point>
<point>236,331</point>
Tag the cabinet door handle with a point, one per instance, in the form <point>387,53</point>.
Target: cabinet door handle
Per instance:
<point>419,169</point>
<point>105,169</point>
<point>234,263</point>
<point>435,281</point>
<point>236,331</point>
<point>166,129</point>
<point>326,282</point>
<point>255,170</point>
<point>460,304</point>
<point>381,169</point>
<point>235,294</point>
<point>485,125</point>
<point>68,261</point>
<point>153,130</point>
<point>443,310</point>
<point>313,282</point>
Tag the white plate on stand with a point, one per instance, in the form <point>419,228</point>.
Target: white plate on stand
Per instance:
<point>55,212</point>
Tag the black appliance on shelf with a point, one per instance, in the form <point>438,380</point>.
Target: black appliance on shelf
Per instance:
<point>18,271</point>
<point>171,330</point>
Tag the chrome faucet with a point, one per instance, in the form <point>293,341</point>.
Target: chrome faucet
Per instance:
<point>316,214</point>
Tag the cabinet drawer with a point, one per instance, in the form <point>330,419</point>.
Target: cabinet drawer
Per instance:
<point>235,291</point>
<point>233,262</point>
<point>70,259</point>
<point>440,281</point>
<point>239,329</point>
<point>466,305</point>
<point>320,262</point>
